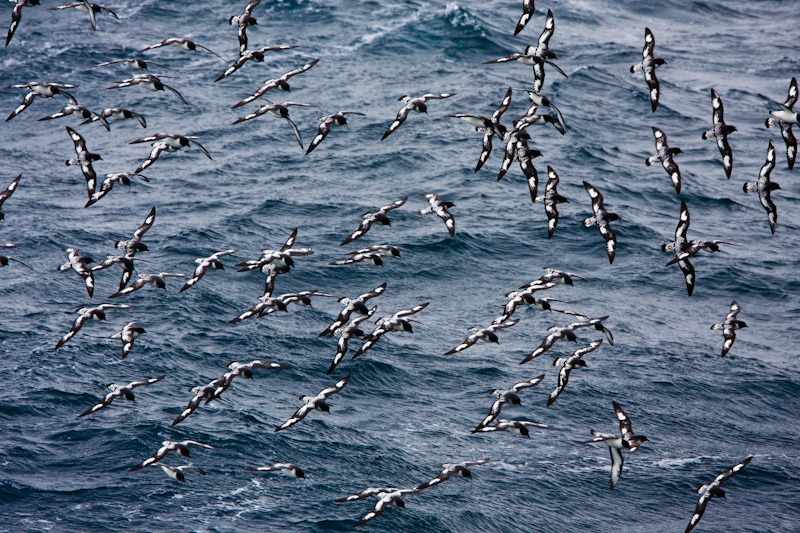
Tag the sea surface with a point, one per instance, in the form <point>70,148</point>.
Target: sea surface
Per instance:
<point>407,408</point>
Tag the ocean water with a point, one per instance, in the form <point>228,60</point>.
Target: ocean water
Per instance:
<point>407,408</point>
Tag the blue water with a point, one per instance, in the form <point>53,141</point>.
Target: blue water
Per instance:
<point>407,408</point>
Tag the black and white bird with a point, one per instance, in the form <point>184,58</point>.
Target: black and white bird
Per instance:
<point>540,100</point>
<point>378,217</point>
<point>729,327</point>
<point>272,273</point>
<point>6,194</point>
<point>627,440</point>
<point>530,58</point>
<point>134,245</point>
<point>528,8</point>
<point>386,250</point>
<point>78,263</point>
<point>551,198</point>
<point>524,297</point>
<point>204,263</point>
<point>177,472</point>
<point>117,113</point>
<point>201,392</point>
<point>517,149</point>
<point>266,302</point>
<point>243,21</point>
<point>412,104</point>
<point>300,298</point>
<point>127,334</point>
<point>505,396</point>
<point>86,314</point>
<point>543,50</point>
<point>720,133</point>
<point>124,262</point>
<point>665,154</point>
<point>151,82</point>
<point>345,333</point>
<point>785,120</point>
<point>353,305</point>
<point>386,496</point>
<point>596,323</point>
<point>558,333</point>
<point>602,219</point>
<point>696,246</point>
<point>237,369</point>
<point>396,322</point>
<point>117,390</point>
<point>538,119</point>
<point>280,83</point>
<point>764,187</point>
<point>287,469</point>
<point>168,446</point>
<point>713,490</point>
<point>133,63</point>
<point>167,142</point>
<point>482,334</point>
<point>556,277</point>
<point>43,90</point>
<point>337,119</point>
<point>83,158</point>
<point>534,286</point>
<point>489,126</point>
<point>183,44</point>
<point>123,178</point>
<point>79,110</point>
<point>311,403</point>
<point>568,364</point>
<point>90,9</point>
<point>452,469</point>
<point>16,16</point>
<point>518,427</point>
<point>277,111</point>
<point>276,259</point>
<point>786,113</point>
<point>374,258</point>
<point>679,245</point>
<point>155,280</point>
<point>648,65</point>
<point>440,208</point>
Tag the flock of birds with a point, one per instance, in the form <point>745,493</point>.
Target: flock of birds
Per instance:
<point>356,310</point>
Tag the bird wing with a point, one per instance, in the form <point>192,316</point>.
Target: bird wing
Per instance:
<point>76,327</point>
<point>616,465</point>
<point>103,403</point>
<point>296,417</point>
<point>394,205</point>
<point>322,131</point>
<point>563,379</point>
<point>364,227</point>
<point>26,102</point>
<point>134,384</point>
<point>299,70</point>
<point>625,426</point>
<point>546,344</point>
<point>338,386</point>
<point>527,12</point>
<point>401,117</point>
<point>527,384</point>
<point>469,341</point>
<point>4,195</point>
<point>146,225</point>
